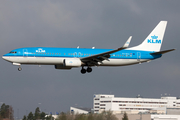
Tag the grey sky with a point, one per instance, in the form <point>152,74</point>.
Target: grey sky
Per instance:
<point>103,24</point>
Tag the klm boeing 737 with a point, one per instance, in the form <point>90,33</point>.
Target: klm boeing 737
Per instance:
<point>67,58</point>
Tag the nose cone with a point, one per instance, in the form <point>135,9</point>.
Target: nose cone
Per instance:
<point>5,57</point>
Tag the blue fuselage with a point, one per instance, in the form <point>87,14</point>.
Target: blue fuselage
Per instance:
<point>79,53</point>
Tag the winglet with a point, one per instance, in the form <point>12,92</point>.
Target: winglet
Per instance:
<point>127,42</point>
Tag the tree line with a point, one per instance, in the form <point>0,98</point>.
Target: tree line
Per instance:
<point>38,115</point>
<point>6,112</point>
<point>105,115</point>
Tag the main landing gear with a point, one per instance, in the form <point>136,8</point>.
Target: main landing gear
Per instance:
<point>83,71</point>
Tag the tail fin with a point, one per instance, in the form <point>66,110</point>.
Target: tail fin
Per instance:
<point>154,40</point>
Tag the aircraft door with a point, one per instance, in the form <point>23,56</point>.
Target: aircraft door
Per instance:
<point>77,54</point>
<point>25,52</point>
<point>138,56</point>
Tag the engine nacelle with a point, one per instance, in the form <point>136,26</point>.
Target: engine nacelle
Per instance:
<point>72,62</point>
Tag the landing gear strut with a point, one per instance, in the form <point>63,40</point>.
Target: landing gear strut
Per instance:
<point>19,68</point>
<point>83,71</point>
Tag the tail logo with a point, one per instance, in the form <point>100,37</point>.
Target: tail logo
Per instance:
<point>154,40</point>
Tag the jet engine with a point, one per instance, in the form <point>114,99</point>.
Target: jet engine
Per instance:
<point>73,62</point>
<point>69,63</point>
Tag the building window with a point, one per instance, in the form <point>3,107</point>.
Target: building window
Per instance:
<point>105,101</point>
<point>102,104</point>
<point>122,104</point>
<point>96,99</point>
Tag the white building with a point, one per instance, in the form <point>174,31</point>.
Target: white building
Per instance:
<point>76,110</point>
<point>133,105</point>
<point>165,117</point>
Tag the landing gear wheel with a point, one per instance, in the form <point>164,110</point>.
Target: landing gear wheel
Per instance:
<point>83,71</point>
<point>89,69</point>
<point>19,68</point>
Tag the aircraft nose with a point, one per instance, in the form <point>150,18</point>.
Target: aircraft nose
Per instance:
<point>4,57</point>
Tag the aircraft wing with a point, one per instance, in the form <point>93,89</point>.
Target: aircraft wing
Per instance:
<point>94,59</point>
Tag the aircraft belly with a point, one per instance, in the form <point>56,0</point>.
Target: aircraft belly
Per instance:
<point>49,60</point>
<point>122,62</point>
<point>38,60</point>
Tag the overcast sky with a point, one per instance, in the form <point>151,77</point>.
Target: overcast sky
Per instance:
<point>99,23</point>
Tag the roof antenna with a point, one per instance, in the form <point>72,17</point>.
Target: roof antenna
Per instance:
<point>77,47</point>
<point>93,47</point>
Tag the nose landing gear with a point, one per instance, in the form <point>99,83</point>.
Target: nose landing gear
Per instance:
<point>83,71</point>
<point>19,68</point>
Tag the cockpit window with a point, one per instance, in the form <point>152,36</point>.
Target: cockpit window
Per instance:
<point>13,52</point>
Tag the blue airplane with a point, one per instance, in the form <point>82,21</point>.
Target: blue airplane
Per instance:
<point>67,58</point>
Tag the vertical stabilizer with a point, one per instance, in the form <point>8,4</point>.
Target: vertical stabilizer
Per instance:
<point>154,40</point>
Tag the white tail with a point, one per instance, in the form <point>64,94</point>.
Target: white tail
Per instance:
<point>154,40</point>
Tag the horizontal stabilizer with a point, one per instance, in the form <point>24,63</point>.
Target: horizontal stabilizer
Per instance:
<point>162,52</point>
